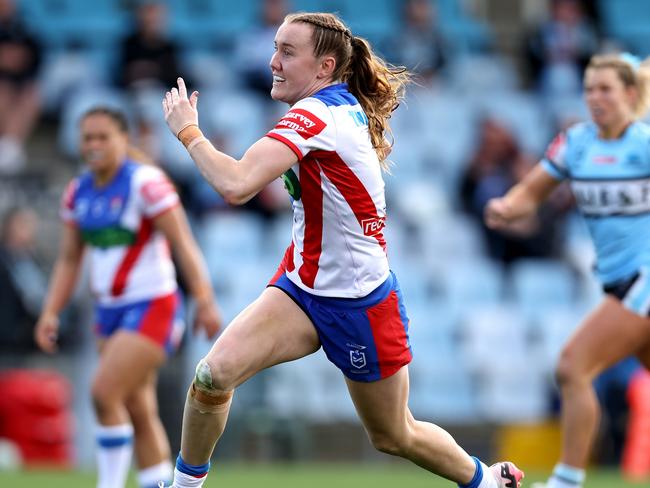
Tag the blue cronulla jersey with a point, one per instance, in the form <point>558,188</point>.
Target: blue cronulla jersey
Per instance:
<point>611,183</point>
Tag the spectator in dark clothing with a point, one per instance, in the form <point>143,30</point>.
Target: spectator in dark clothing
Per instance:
<point>559,49</point>
<point>22,282</point>
<point>149,58</point>
<point>497,164</point>
<point>20,60</point>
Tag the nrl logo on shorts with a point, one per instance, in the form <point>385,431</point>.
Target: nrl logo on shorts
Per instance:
<point>357,356</point>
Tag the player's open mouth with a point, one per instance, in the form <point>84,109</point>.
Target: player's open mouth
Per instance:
<point>277,79</point>
<point>92,156</point>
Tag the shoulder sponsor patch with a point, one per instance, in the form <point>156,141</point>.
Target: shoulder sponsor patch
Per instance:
<point>556,148</point>
<point>305,123</point>
<point>155,190</point>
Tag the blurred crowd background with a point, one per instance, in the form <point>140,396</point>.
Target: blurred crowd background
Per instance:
<point>496,79</point>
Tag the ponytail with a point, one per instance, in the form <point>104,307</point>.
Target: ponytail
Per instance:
<point>378,86</point>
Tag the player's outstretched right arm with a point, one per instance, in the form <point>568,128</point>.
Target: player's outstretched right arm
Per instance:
<point>62,284</point>
<point>521,201</point>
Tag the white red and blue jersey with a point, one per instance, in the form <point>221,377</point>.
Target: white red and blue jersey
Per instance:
<point>339,208</point>
<point>611,183</point>
<point>129,259</point>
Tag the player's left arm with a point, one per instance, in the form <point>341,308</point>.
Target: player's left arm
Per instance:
<point>239,181</point>
<point>173,224</point>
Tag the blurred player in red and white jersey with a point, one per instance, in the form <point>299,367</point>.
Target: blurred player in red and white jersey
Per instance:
<point>126,215</point>
<point>334,288</point>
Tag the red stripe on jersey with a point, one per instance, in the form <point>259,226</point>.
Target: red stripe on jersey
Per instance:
<point>352,189</point>
<point>288,257</point>
<point>312,200</point>
<point>157,321</point>
<point>132,255</point>
<point>286,141</point>
<point>285,265</point>
<point>389,334</point>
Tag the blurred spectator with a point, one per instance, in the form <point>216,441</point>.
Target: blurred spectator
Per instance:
<point>20,58</point>
<point>149,58</point>
<point>149,61</point>
<point>559,49</point>
<point>254,47</point>
<point>497,164</point>
<point>22,281</point>
<point>419,45</point>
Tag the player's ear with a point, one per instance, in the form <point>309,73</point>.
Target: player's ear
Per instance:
<point>327,67</point>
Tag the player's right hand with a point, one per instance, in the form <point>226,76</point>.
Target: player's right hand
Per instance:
<point>46,333</point>
<point>208,317</point>
<point>497,213</point>
<point>179,110</point>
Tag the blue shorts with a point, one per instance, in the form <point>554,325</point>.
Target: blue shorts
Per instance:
<point>366,338</point>
<point>160,319</point>
<point>633,292</point>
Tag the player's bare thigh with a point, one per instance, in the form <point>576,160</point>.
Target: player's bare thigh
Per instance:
<point>271,330</point>
<point>391,393</point>
<point>610,333</point>
<point>127,360</point>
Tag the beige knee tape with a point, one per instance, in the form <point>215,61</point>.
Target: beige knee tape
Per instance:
<point>213,402</point>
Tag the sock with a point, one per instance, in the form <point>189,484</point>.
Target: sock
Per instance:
<point>151,476</point>
<point>476,481</point>
<point>565,476</point>
<point>188,475</point>
<point>114,451</point>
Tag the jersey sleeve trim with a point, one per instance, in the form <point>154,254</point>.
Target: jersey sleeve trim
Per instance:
<point>554,169</point>
<point>287,142</point>
<point>163,211</point>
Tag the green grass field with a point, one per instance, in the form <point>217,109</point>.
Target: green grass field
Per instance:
<point>295,476</point>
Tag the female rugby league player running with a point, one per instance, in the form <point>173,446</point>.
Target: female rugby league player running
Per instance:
<point>126,214</point>
<point>607,161</point>
<point>334,288</point>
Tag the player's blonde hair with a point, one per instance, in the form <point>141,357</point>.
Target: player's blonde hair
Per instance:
<point>378,86</point>
<point>631,74</point>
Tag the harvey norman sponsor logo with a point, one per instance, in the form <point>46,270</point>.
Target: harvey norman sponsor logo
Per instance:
<point>618,197</point>
<point>304,123</point>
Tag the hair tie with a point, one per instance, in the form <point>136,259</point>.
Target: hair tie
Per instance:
<point>631,59</point>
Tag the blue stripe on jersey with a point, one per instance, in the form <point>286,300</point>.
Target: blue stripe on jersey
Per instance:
<point>336,95</point>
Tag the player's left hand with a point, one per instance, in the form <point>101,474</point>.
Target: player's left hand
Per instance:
<point>180,111</point>
<point>207,317</point>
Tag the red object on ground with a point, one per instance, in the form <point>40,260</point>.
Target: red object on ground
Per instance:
<point>36,414</point>
<point>636,452</point>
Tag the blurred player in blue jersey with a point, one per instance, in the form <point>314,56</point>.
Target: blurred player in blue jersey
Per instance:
<point>607,161</point>
<point>126,216</point>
